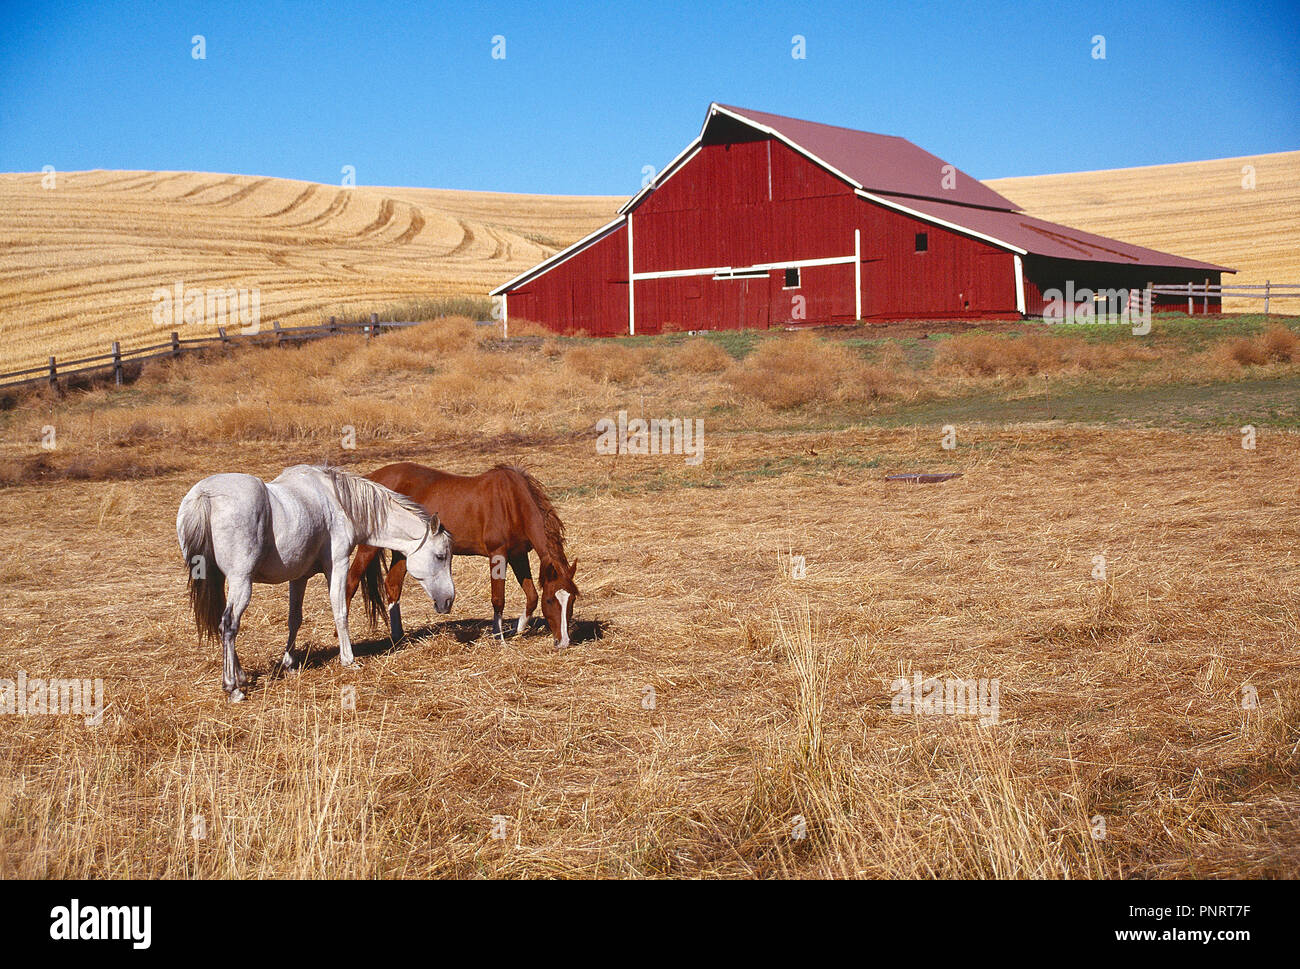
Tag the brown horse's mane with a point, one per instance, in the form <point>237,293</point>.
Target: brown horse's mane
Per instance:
<point>551,523</point>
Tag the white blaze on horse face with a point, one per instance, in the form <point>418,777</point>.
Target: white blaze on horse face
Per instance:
<point>563,596</point>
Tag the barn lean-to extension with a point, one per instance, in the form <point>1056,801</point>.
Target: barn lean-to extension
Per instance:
<point>765,220</point>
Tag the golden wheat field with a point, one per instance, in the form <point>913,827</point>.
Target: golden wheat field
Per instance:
<point>79,262</point>
<point>1243,213</point>
<point>728,707</point>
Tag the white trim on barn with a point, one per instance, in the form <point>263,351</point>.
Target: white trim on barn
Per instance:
<point>631,282</point>
<point>935,220</point>
<point>754,270</point>
<point>562,256</point>
<point>857,274</point>
<point>1020,285</point>
<point>718,109</point>
<point>689,152</point>
<point>683,156</point>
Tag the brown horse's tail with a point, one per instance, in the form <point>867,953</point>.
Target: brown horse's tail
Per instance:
<point>372,581</point>
<point>551,524</point>
<point>207,583</point>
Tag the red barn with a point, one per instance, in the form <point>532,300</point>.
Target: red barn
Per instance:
<point>764,220</point>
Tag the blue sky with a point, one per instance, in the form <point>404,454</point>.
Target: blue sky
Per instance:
<point>588,93</point>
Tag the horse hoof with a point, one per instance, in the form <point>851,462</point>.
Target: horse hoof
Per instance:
<point>236,696</point>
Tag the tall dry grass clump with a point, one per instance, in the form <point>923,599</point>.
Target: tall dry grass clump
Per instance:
<point>989,354</point>
<point>1245,352</point>
<point>1277,345</point>
<point>947,799</point>
<point>1281,344</point>
<point>699,355</point>
<point>791,371</point>
<point>609,361</point>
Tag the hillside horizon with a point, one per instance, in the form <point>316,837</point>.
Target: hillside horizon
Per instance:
<point>80,261</point>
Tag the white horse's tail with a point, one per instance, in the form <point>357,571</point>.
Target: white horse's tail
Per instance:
<point>207,583</point>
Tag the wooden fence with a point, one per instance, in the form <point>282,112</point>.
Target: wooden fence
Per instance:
<point>1206,292</point>
<point>117,359</point>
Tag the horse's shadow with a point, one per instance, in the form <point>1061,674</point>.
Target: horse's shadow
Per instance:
<point>464,631</point>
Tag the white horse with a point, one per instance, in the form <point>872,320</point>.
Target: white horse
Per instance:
<point>236,528</point>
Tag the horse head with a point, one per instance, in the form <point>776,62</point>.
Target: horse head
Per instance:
<point>430,565</point>
<point>558,597</point>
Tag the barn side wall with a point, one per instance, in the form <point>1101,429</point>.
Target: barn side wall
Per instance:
<point>587,291</point>
<point>761,202</point>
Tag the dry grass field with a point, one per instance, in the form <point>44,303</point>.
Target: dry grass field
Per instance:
<point>723,712</point>
<point>1209,210</point>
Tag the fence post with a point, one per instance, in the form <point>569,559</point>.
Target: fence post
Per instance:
<point>176,344</point>
<point>1189,297</point>
<point>221,332</point>
<point>279,337</point>
<point>54,374</point>
<point>334,326</point>
<point>1266,285</point>
<point>374,322</point>
<point>117,363</point>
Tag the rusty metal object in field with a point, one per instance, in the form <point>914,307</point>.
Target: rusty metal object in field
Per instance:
<point>921,478</point>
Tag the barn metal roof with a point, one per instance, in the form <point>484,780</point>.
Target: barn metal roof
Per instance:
<point>875,163</point>
<point>1026,234</point>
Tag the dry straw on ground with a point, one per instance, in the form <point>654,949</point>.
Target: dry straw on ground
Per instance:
<point>718,716</point>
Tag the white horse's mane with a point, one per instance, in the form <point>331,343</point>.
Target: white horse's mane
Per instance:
<point>367,503</point>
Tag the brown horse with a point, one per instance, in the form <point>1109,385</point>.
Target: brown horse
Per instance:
<point>501,514</point>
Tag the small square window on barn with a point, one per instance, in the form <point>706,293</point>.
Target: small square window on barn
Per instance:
<point>922,242</point>
<point>792,278</point>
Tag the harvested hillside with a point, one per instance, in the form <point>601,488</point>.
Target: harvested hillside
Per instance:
<point>79,262</point>
<point>1207,210</point>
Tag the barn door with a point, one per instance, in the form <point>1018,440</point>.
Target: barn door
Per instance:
<point>755,303</point>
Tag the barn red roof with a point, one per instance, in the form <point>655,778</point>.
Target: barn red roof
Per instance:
<point>1030,235</point>
<point>877,163</point>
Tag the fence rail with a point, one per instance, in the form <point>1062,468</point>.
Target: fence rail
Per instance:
<point>1268,291</point>
<point>117,359</point>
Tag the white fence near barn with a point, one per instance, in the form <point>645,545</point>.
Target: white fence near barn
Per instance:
<point>1206,291</point>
